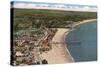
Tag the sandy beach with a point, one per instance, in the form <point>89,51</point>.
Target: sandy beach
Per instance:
<point>58,54</point>
<point>84,21</point>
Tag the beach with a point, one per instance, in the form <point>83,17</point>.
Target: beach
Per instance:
<point>58,54</point>
<point>84,21</point>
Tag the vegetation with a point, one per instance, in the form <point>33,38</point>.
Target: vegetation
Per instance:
<point>33,24</point>
<point>44,61</point>
<point>33,18</point>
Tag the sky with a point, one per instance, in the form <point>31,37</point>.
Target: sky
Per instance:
<point>81,5</point>
<point>82,2</point>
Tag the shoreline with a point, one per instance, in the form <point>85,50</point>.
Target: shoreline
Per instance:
<point>81,22</point>
<point>84,21</point>
<point>59,53</point>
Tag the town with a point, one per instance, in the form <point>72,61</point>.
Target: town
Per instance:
<point>29,45</point>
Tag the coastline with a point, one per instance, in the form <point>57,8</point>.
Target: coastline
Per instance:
<point>59,52</point>
<point>81,22</point>
<point>84,21</point>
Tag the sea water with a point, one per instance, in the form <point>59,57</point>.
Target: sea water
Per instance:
<point>82,42</point>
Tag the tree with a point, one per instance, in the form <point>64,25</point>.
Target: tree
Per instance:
<point>44,61</point>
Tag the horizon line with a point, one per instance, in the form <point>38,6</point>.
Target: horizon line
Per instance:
<point>31,2</point>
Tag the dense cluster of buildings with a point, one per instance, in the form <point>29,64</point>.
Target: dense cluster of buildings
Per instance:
<point>28,46</point>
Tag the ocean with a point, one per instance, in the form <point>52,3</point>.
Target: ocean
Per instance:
<point>82,42</point>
